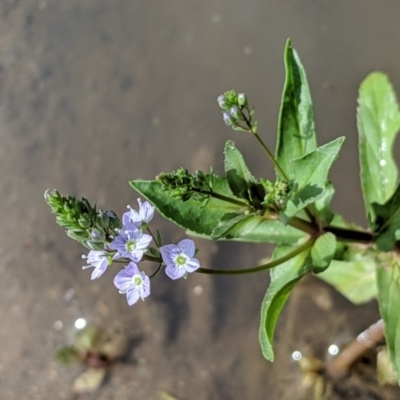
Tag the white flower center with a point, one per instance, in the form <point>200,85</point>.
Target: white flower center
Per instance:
<point>181,260</point>
<point>137,280</point>
<point>131,245</point>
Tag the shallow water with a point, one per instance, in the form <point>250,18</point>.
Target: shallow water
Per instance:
<point>95,93</point>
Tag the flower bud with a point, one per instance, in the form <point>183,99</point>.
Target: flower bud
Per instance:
<point>222,102</point>
<point>242,99</point>
<point>228,119</point>
<point>102,219</point>
<point>236,113</point>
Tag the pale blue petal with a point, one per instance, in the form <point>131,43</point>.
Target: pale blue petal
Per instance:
<point>187,246</point>
<point>135,255</point>
<point>123,281</point>
<point>100,269</point>
<point>143,241</point>
<point>175,272</point>
<point>132,269</point>
<point>145,289</point>
<point>192,264</point>
<point>146,211</point>
<point>126,218</point>
<point>168,253</point>
<point>133,296</point>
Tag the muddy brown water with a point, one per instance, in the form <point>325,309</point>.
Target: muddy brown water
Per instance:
<point>95,93</point>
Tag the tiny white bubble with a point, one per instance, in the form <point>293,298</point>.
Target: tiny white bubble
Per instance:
<point>333,349</point>
<point>80,323</point>
<point>296,355</point>
<point>382,163</point>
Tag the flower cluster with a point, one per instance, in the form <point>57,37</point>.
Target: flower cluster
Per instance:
<point>131,244</point>
<point>236,112</point>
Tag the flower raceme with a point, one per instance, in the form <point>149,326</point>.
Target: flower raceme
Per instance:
<point>131,243</point>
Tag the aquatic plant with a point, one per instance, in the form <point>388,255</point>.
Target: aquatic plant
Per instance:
<point>291,210</point>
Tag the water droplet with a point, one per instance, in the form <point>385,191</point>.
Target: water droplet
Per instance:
<point>296,355</point>
<point>361,337</point>
<point>80,323</point>
<point>333,349</point>
<point>382,163</point>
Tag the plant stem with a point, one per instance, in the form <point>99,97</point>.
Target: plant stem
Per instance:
<point>348,235</point>
<point>260,268</point>
<point>151,234</point>
<point>270,156</point>
<point>303,225</point>
<point>340,365</point>
<point>156,271</point>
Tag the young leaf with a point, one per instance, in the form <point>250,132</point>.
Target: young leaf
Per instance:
<point>231,222</point>
<point>266,232</point>
<point>237,173</point>
<point>389,306</point>
<point>296,130</point>
<point>310,176</point>
<point>322,252</point>
<point>321,209</point>
<point>378,121</point>
<point>283,279</point>
<point>387,221</point>
<point>355,280</point>
<point>189,214</point>
<point>241,181</point>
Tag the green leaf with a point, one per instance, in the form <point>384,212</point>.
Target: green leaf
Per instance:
<point>233,222</point>
<point>355,280</point>
<point>321,209</point>
<point>269,232</point>
<point>283,279</point>
<point>237,173</point>
<point>378,121</point>
<point>265,232</point>
<point>388,279</point>
<point>387,221</point>
<point>190,215</point>
<point>296,130</point>
<point>323,251</point>
<point>310,176</point>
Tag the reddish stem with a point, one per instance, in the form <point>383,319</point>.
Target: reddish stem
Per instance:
<point>340,365</point>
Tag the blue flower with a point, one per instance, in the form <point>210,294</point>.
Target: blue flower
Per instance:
<point>144,215</point>
<point>131,242</point>
<point>132,282</point>
<point>179,259</point>
<point>100,260</point>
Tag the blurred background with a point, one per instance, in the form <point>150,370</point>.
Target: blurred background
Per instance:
<point>95,93</point>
